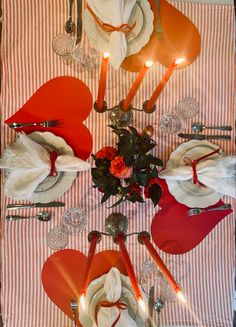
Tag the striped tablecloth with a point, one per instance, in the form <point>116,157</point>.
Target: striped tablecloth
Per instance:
<point>27,62</point>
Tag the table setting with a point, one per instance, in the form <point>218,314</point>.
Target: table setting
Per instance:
<point>117,163</point>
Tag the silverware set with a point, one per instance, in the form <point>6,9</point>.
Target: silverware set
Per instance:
<point>197,211</point>
<point>45,123</point>
<point>69,24</point>
<point>42,216</point>
<point>198,128</point>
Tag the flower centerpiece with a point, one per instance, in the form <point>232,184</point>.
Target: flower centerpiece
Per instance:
<point>129,171</point>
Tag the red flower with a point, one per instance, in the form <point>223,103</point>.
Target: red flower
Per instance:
<point>136,188</point>
<point>119,169</point>
<point>149,130</point>
<point>150,183</point>
<point>107,152</point>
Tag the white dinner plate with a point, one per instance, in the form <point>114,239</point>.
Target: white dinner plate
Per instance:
<point>95,293</point>
<point>136,38</point>
<point>53,187</point>
<point>186,192</point>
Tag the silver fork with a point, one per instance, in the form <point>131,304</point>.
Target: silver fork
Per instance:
<point>197,211</point>
<point>74,307</point>
<point>45,123</point>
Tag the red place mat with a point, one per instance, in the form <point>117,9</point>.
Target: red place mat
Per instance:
<point>174,232</point>
<point>67,99</point>
<point>63,272</point>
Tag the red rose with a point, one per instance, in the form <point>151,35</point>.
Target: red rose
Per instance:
<point>136,188</point>
<point>107,152</point>
<point>119,169</point>
<point>150,183</point>
<point>149,130</point>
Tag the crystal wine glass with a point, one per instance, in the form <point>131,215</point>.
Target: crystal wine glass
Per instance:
<point>58,237</point>
<point>63,45</point>
<point>75,220</point>
<point>85,54</point>
<point>188,107</point>
<point>171,122</point>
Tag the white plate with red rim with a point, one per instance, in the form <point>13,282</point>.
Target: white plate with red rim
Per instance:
<point>185,192</point>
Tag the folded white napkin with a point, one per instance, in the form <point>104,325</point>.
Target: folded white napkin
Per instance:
<point>113,290</point>
<point>115,13</point>
<point>218,174</point>
<point>28,164</point>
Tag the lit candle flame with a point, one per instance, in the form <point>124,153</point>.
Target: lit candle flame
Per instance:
<point>106,55</point>
<point>181,297</point>
<point>142,305</point>
<point>148,63</point>
<point>179,61</point>
<point>82,300</point>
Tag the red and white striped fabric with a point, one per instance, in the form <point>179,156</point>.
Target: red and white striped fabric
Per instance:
<point>28,62</point>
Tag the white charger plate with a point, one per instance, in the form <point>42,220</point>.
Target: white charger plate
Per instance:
<point>186,192</point>
<point>53,187</point>
<point>95,293</point>
<point>136,39</point>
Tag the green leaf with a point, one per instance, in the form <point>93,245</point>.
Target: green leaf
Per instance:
<point>133,131</point>
<point>154,160</point>
<point>130,161</point>
<point>154,173</point>
<point>143,178</point>
<point>155,192</point>
<point>135,197</point>
<point>141,161</point>
<point>105,197</point>
<point>117,202</point>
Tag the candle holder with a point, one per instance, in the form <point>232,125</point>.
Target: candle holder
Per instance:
<point>116,226</point>
<point>102,109</point>
<point>148,111</point>
<point>121,118</point>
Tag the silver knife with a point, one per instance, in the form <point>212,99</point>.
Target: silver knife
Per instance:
<point>35,205</point>
<point>150,306</point>
<point>79,22</point>
<point>204,137</point>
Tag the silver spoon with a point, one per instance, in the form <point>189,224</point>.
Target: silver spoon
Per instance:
<point>42,216</point>
<point>74,308</point>
<point>198,127</point>
<point>69,24</point>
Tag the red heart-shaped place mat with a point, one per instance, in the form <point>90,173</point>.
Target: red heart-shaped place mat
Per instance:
<point>174,232</point>
<point>64,98</point>
<point>63,272</point>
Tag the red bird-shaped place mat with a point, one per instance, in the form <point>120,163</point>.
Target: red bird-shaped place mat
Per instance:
<point>66,99</point>
<point>63,273</point>
<point>174,232</point>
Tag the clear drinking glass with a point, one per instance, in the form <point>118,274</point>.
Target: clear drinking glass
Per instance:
<point>85,54</point>
<point>148,274</point>
<point>188,108</point>
<point>171,122</point>
<point>58,237</point>
<point>63,45</point>
<point>75,220</point>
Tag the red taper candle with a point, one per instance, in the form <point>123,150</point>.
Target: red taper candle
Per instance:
<point>102,83</point>
<point>151,102</point>
<point>128,266</point>
<point>134,88</point>
<point>143,238</point>
<point>92,248</point>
